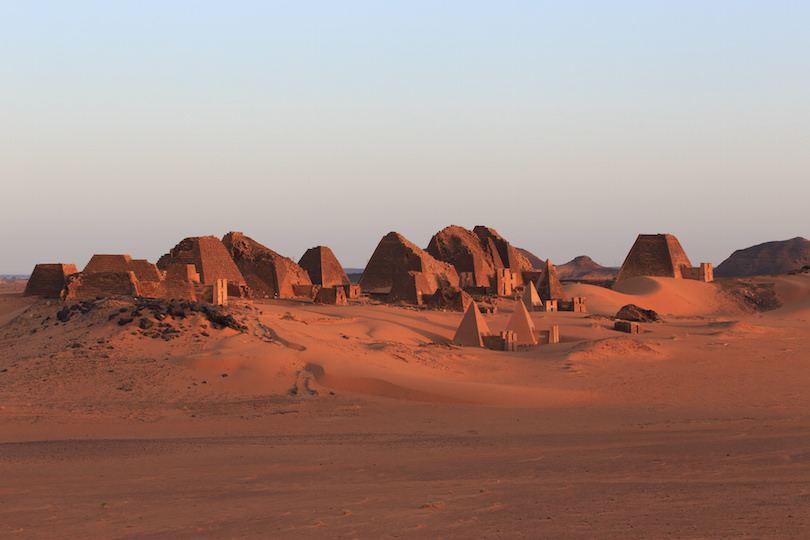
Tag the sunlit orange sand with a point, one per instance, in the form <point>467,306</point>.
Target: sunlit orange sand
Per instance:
<point>365,421</point>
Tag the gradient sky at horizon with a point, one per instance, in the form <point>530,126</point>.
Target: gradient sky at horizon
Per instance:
<point>569,127</point>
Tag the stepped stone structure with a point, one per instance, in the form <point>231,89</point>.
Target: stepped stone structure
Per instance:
<point>661,255</point>
<point>323,267</point>
<point>549,286</point>
<point>209,257</point>
<point>509,256</point>
<point>394,256</point>
<point>471,257</point>
<point>473,328</point>
<point>654,255</point>
<point>48,280</point>
<point>267,273</point>
<point>143,269</point>
<point>182,272</point>
<point>92,285</point>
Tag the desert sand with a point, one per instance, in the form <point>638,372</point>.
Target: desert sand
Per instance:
<point>697,428</point>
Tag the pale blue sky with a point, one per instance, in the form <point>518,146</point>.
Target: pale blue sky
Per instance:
<point>570,127</point>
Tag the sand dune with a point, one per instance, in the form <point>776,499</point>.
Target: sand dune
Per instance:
<point>668,296</point>
<point>363,420</point>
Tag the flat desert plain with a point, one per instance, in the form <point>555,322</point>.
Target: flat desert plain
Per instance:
<point>363,421</point>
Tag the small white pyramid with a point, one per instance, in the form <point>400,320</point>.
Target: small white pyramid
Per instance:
<point>472,328</point>
<point>531,300</point>
<point>521,324</point>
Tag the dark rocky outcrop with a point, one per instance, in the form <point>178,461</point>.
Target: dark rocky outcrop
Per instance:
<point>632,312</point>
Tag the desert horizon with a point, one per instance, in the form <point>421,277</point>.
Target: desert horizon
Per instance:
<point>404,270</point>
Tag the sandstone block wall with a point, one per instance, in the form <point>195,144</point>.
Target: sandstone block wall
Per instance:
<point>703,272</point>
<point>100,284</point>
<point>331,295</point>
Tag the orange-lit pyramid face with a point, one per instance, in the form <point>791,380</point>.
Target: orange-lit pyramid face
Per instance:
<point>521,324</point>
<point>471,329</point>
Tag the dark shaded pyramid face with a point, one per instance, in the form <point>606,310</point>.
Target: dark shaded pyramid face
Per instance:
<point>48,280</point>
<point>548,284</point>
<point>267,273</point>
<point>323,267</point>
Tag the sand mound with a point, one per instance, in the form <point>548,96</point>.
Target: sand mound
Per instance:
<point>734,327</point>
<point>667,296</point>
<point>611,347</point>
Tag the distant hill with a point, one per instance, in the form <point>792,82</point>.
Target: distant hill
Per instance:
<point>583,267</point>
<point>537,262</point>
<point>354,274</point>
<point>768,258</point>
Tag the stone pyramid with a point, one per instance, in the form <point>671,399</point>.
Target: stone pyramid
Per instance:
<point>472,328</point>
<point>48,280</point>
<point>396,255</point>
<point>466,252</point>
<point>531,300</point>
<point>143,269</point>
<point>510,257</point>
<point>410,287</point>
<point>208,255</point>
<point>548,284</point>
<point>654,255</point>
<point>521,324</point>
<point>267,273</point>
<point>323,267</point>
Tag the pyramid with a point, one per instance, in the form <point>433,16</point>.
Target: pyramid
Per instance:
<point>654,255</point>
<point>466,252</point>
<point>267,273</point>
<point>531,300</point>
<point>472,328</point>
<point>209,257</point>
<point>521,324</point>
<point>48,280</point>
<point>323,267</point>
<point>396,255</point>
<point>410,287</point>
<point>548,284</point>
<point>143,269</point>
<point>510,257</point>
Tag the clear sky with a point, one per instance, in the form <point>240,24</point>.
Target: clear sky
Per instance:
<point>568,126</point>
